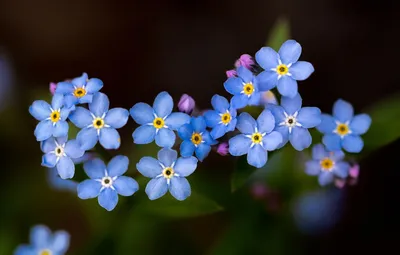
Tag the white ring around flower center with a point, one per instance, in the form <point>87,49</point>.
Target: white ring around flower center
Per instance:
<point>290,121</point>
<point>107,181</point>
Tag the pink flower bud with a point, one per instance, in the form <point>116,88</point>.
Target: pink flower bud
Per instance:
<point>354,171</point>
<point>186,104</point>
<point>52,87</point>
<point>259,190</point>
<point>245,60</point>
<point>223,149</point>
<point>340,183</point>
<point>231,73</point>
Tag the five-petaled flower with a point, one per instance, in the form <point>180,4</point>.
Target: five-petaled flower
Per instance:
<point>282,69</point>
<point>167,173</point>
<point>107,181</point>
<point>99,124</point>
<point>80,90</point>
<point>293,122</point>
<point>222,119</point>
<point>52,118</point>
<point>343,129</point>
<point>43,242</point>
<point>256,139</point>
<point>157,122</point>
<point>327,165</point>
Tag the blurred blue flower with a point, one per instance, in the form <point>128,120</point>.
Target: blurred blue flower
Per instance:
<point>293,122</point>
<point>6,81</point>
<point>157,122</point>
<point>343,129</point>
<point>282,69</point>
<point>59,153</point>
<point>43,242</point>
<point>256,139</point>
<point>107,181</point>
<point>244,89</point>
<point>80,90</point>
<point>196,138</point>
<point>52,118</point>
<point>167,173</point>
<point>268,97</point>
<point>99,124</point>
<point>222,119</point>
<point>327,165</point>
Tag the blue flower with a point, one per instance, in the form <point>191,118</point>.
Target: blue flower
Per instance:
<point>222,119</point>
<point>157,122</point>
<point>59,153</point>
<point>107,182</point>
<point>256,139</point>
<point>282,69</point>
<point>327,165</point>
<point>99,124</point>
<point>343,130</point>
<point>244,89</point>
<point>167,173</point>
<point>80,90</point>
<point>195,138</point>
<point>43,242</point>
<point>293,122</point>
<point>52,118</point>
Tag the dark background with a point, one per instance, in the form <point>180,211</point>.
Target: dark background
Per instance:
<point>139,48</point>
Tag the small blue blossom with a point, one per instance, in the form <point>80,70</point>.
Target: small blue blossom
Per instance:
<point>59,153</point>
<point>293,122</point>
<point>222,119</point>
<point>343,129</point>
<point>282,69</point>
<point>257,138</point>
<point>107,181</point>
<point>196,138</point>
<point>244,88</point>
<point>327,165</point>
<point>52,118</point>
<point>167,173</point>
<point>80,90</point>
<point>99,124</point>
<point>43,242</point>
<point>157,122</point>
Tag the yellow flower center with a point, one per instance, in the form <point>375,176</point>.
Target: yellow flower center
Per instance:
<point>248,88</point>
<point>327,164</point>
<point>79,92</point>
<point>158,123</point>
<point>226,118</point>
<point>197,138</point>
<point>256,138</point>
<point>98,123</point>
<point>45,252</point>
<point>55,116</point>
<point>342,129</point>
<point>282,69</point>
<point>168,172</point>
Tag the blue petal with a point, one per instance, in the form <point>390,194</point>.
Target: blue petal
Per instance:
<point>290,52</point>
<point>343,111</point>
<point>325,178</point>
<point>93,85</point>
<point>287,86</point>
<point>218,131</point>
<point>245,74</point>
<point>99,105</point>
<point>239,101</point>
<point>254,99</point>
<point>179,188</point>
<point>327,124</point>
<point>318,152</point>
<point>64,113</point>
<point>87,138</point>
<point>108,199</point>
<point>212,118</point>
<point>208,139</point>
<point>86,99</point>
<point>88,189</point>
<point>301,70</point>
<point>185,166</point>
<point>60,242</point>
<point>144,134</point>
<point>353,143</point>
<point>70,100</point>
<point>267,80</point>
<point>57,183</point>
<point>109,138</point>
<point>284,131</point>
<point>187,148</point>
<point>40,236</point>
<point>64,88</point>
<point>277,111</point>
<point>360,124</point>
<point>341,169</point>
<point>177,119</point>
<point>267,58</point>
<point>167,156</point>
<point>95,168</point>
<point>142,113</point>
<point>239,145</point>
<point>81,117</point>
<point>156,188</point>
<point>57,101</point>
<point>265,121</point>
<point>202,151</point>
<point>220,103</point>
<point>40,110</point>
<point>231,126</point>
<point>309,117</point>
<point>117,117</point>
<point>66,168</point>
<point>125,186</point>
<point>185,132</point>
<point>313,167</point>
<point>336,155</point>
<point>198,124</point>
<point>300,138</point>
<point>272,140</point>
<point>60,129</point>
<point>48,145</point>
<point>80,81</point>
<point>73,149</point>
<point>163,104</point>
<point>25,250</point>
<point>332,142</point>
<point>43,130</point>
<point>246,123</point>
<point>234,85</point>
<point>149,167</point>
<point>257,156</point>
<point>291,105</point>
<point>165,138</point>
<point>117,166</point>
<point>49,160</point>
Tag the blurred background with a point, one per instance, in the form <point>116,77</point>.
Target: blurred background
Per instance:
<point>140,48</point>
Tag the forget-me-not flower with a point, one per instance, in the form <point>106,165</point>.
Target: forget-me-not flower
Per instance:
<point>222,119</point>
<point>99,124</point>
<point>107,181</point>
<point>282,69</point>
<point>327,165</point>
<point>157,122</point>
<point>293,121</point>
<point>256,139</point>
<point>43,242</point>
<point>167,173</point>
<point>343,129</point>
<point>52,118</point>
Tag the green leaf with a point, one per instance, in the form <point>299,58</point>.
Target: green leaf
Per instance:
<point>241,173</point>
<point>279,34</point>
